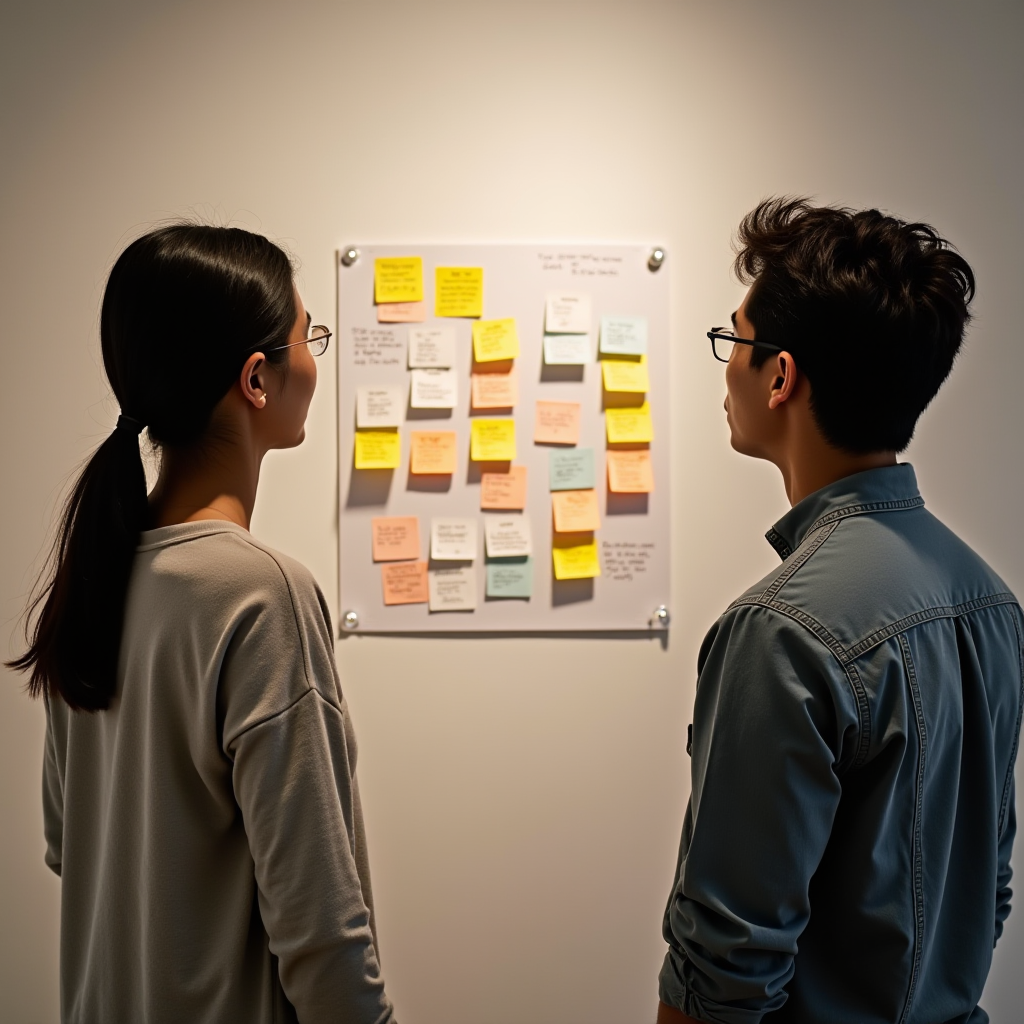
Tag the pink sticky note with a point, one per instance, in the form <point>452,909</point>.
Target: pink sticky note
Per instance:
<point>575,511</point>
<point>401,312</point>
<point>504,490</point>
<point>405,583</point>
<point>395,538</point>
<point>557,423</point>
<point>494,390</point>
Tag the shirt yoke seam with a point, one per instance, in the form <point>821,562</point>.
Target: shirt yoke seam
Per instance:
<point>283,711</point>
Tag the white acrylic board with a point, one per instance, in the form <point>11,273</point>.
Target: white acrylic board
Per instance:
<point>633,540</point>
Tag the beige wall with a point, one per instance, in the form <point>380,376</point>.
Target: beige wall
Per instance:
<point>523,796</point>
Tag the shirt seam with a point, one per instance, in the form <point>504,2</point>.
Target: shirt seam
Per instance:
<point>918,862</point>
<point>283,711</point>
<point>1008,780</point>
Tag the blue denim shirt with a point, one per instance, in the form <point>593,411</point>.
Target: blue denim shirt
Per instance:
<point>846,849</point>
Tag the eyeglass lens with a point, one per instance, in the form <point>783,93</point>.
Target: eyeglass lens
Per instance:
<point>318,340</point>
<point>723,348</point>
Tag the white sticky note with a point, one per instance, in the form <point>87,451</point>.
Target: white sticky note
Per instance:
<point>431,348</point>
<point>567,349</point>
<point>507,536</point>
<point>453,540</point>
<point>452,590</point>
<point>623,335</point>
<point>434,389</point>
<point>379,407</point>
<point>567,313</point>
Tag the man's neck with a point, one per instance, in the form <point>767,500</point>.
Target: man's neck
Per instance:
<point>813,464</point>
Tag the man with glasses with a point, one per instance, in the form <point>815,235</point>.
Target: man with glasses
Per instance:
<point>846,849</point>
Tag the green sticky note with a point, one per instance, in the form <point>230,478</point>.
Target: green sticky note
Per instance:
<point>510,577</point>
<point>571,469</point>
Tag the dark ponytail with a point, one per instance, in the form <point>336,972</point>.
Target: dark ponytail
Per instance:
<point>204,297</point>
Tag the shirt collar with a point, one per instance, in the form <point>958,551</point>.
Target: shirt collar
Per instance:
<point>886,489</point>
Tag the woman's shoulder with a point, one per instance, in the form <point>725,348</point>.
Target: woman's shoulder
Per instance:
<point>224,561</point>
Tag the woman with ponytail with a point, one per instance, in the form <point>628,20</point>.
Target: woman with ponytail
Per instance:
<point>200,801</point>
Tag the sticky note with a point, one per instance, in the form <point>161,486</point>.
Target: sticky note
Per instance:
<point>630,472</point>
<point>575,511</point>
<point>458,291</point>
<point>452,539</point>
<point>452,590</point>
<point>379,407</point>
<point>494,390</point>
<point>575,558</point>
<point>504,490</point>
<point>398,279</point>
<point>492,440</point>
<point>431,348</point>
<point>378,449</point>
<point>567,313</point>
<point>567,349</point>
<point>405,582</point>
<point>395,538</point>
<point>557,423</point>
<point>625,375</point>
<point>510,577</point>
<point>434,389</point>
<point>623,335</point>
<point>629,424</point>
<point>495,339</point>
<point>570,469</point>
<point>401,312</point>
<point>432,451</point>
<point>505,536</point>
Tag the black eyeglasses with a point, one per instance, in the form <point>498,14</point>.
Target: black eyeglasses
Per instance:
<point>317,341</point>
<point>724,340</point>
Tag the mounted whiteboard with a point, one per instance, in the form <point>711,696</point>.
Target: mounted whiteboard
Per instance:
<point>633,539</point>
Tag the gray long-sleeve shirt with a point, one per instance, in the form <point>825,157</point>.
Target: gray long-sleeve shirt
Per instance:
<point>846,850</point>
<point>207,826</point>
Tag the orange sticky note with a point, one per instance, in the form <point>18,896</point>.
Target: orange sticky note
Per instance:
<point>575,511</point>
<point>630,472</point>
<point>504,490</point>
<point>395,538</point>
<point>494,390</point>
<point>405,583</point>
<point>401,312</point>
<point>432,451</point>
<point>575,557</point>
<point>557,423</point>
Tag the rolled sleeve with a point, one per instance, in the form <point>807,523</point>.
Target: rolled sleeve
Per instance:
<point>772,714</point>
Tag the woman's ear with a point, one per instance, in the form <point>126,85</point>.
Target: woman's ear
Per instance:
<point>784,381</point>
<point>251,380</point>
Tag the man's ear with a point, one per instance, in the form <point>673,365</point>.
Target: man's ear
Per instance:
<point>784,380</point>
<point>251,380</point>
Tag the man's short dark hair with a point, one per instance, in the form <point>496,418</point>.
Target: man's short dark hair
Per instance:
<point>872,308</point>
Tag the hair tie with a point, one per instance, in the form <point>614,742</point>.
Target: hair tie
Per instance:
<point>129,424</point>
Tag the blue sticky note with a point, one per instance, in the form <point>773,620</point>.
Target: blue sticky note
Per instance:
<point>571,469</point>
<point>510,577</point>
<point>623,335</point>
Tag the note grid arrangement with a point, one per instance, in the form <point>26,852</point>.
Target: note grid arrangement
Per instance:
<point>504,457</point>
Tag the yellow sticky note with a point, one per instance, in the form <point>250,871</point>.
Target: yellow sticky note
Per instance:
<point>625,375</point>
<point>378,449</point>
<point>398,279</point>
<point>458,291</point>
<point>492,440</point>
<point>432,451</point>
<point>575,557</point>
<point>630,424</point>
<point>495,339</point>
